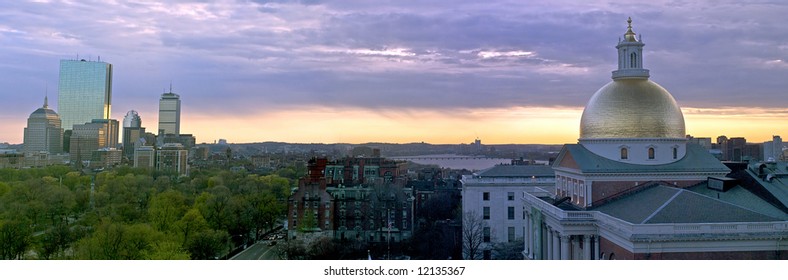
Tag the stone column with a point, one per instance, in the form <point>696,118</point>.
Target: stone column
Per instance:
<point>527,235</point>
<point>596,247</point>
<point>565,247</point>
<point>556,246</point>
<point>549,243</point>
<point>586,247</point>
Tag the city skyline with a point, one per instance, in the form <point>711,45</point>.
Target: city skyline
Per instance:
<point>347,71</point>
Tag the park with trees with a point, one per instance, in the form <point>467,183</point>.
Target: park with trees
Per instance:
<point>58,212</point>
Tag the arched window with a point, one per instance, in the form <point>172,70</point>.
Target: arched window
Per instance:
<point>650,153</point>
<point>612,256</point>
<point>633,58</point>
<point>624,153</point>
<point>675,153</point>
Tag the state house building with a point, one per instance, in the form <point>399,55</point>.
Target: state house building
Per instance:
<point>634,188</point>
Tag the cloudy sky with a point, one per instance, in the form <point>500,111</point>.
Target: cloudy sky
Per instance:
<point>400,70</point>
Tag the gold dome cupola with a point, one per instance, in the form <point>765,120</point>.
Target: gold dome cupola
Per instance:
<point>630,56</point>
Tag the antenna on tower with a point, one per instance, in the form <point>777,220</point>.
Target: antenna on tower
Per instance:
<point>46,95</point>
<point>170,86</point>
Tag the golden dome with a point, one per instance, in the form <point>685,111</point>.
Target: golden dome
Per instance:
<point>632,108</point>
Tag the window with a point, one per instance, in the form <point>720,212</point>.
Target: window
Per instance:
<point>486,213</point>
<point>510,213</point>
<point>511,234</point>
<point>486,234</point>
<point>624,153</point>
<point>510,196</point>
<point>485,196</point>
<point>651,153</point>
<point>633,60</point>
<point>675,153</point>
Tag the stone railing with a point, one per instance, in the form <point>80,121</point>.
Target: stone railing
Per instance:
<point>523,181</point>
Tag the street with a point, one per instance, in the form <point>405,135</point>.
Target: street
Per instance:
<point>259,251</point>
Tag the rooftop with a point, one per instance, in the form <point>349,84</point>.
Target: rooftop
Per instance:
<point>663,204</point>
<point>697,159</point>
<point>517,171</point>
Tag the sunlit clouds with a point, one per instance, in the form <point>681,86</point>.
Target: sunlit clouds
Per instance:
<point>396,71</point>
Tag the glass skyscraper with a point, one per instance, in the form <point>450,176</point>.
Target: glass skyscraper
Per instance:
<point>84,91</point>
<point>169,114</point>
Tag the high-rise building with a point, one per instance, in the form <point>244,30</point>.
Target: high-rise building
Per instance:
<point>43,132</point>
<point>733,149</point>
<point>84,91</point>
<point>773,149</point>
<point>132,132</point>
<point>88,137</point>
<point>169,114</point>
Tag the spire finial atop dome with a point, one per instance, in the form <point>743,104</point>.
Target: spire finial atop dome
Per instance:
<point>630,35</point>
<point>46,103</point>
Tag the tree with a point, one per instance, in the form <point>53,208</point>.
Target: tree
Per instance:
<point>209,245</point>
<point>512,250</point>
<point>14,239</point>
<point>54,241</point>
<point>165,209</point>
<point>292,249</point>
<point>116,241</point>
<point>190,224</point>
<point>323,248</point>
<point>167,250</point>
<point>472,235</point>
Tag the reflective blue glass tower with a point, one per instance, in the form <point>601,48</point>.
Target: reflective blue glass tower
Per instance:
<point>84,91</point>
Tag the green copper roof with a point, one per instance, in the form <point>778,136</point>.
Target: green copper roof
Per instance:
<point>697,159</point>
<point>668,205</point>
<point>518,171</point>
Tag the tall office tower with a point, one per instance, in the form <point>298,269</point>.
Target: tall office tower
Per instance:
<point>89,137</point>
<point>132,132</point>
<point>43,132</point>
<point>169,114</point>
<point>84,91</point>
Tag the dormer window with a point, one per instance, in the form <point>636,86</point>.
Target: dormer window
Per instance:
<point>624,153</point>
<point>675,153</point>
<point>651,153</point>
